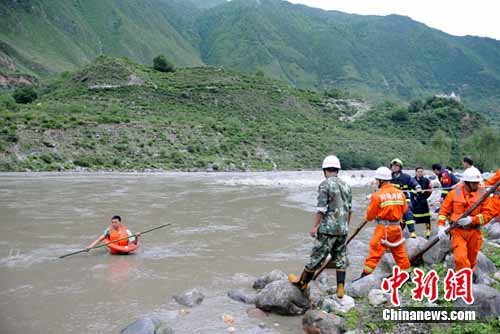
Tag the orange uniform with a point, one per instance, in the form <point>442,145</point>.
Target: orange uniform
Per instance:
<point>120,233</point>
<point>387,206</point>
<point>494,179</point>
<point>465,241</point>
<point>495,201</point>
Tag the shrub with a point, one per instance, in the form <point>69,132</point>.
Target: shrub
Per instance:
<point>160,63</point>
<point>24,95</point>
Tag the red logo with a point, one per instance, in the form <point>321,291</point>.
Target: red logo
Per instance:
<point>458,285</point>
<point>426,285</point>
<point>394,283</point>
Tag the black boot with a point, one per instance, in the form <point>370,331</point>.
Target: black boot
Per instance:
<point>474,278</point>
<point>340,283</point>
<point>304,279</point>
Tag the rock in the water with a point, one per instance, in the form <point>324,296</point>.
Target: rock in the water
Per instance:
<point>362,287</point>
<point>493,230</point>
<point>486,301</point>
<point>484,264</point>
<point>334,304</point>
<point>256,313</point>
<point>314,294</point>
<point>274,275</point>
<point>378,297</point>
<point>147,325</point>
<point>320,322</point>
<point>242,278</point>
<point>190,298</point>
<point>282,298</point>
<point>497,276</point>
<point>241,295</point>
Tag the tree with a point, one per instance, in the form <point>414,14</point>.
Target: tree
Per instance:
<point>484,148</point>
<point>160,63</point>
<point>438,150</point>
<point>25,95</point>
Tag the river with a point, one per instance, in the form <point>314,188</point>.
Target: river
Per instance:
<point>226,227</point>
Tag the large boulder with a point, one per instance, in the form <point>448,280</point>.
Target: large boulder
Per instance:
<point>493,229</point>
<point>242,295</point>
<point>147,325</point>
<point>282,298</point>
<point>275,275</point>
<point>190,298</point>
<point>438,252</point>
<point>415,245</point>
<point>378,297</point>
<point>337,305</point>
<point>484,264</point>
<point>320,322</point>
<point>362,287</point>
<point>486,301</point>
<point>314,294</point>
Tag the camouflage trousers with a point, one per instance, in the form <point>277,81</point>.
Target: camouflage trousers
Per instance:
<point>329,244</point>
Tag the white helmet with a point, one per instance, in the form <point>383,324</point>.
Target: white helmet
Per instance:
<point>472,174</point>
<point>383,173</point>
<point>331,161</point>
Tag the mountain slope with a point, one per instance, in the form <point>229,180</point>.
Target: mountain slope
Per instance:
<point>53,36</point>
<point>115,114</point>
<point>390,55</point>
<point>373,56</point>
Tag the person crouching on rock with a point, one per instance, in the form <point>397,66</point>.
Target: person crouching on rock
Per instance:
<point>330,228</point>
<point>114,232</point>
<point>387,207</point>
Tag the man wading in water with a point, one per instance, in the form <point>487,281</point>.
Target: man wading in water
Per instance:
<point>330,228</point>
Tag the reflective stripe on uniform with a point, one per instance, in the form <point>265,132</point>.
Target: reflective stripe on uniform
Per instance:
<point>481,219</point>
<point>441,217</point>
<point>367,269</point>
<point>409,222</point>
<point>384,204</point>
<point>420,215</point>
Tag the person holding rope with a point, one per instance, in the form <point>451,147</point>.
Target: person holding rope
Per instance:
<point>387,207</point>
<point>406,183</point>
<point>116,231</point>
<point>466,236</point>
<point>420,206</point>
<point>330,228</point>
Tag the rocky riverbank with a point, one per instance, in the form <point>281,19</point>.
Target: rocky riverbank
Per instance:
<point>360,310</point>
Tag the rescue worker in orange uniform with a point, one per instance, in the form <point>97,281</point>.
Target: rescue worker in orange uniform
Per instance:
<point>115,232</point>
<point>495,201</point>
<point>466,236</point>
<point>387,207</point>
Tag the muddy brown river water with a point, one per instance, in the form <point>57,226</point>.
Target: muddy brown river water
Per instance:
<point>226,227</point>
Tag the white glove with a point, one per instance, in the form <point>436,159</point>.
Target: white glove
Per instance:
<point>441,233</point>
<point>465,221</point>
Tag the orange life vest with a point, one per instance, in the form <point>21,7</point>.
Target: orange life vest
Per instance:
<point>120,233</point>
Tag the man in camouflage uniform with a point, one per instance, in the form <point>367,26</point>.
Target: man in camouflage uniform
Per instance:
<point>330,228</point>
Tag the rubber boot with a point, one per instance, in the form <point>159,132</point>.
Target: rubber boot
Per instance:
<point>413,234</point>
<point>340,283</point>
<point>304,279</point>
<point>427,230</point>
<point>474,278</point>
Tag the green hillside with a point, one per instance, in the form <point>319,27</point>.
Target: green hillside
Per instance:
<point>372,56</point>
<point>46,36</point>
<point>115,114</point>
